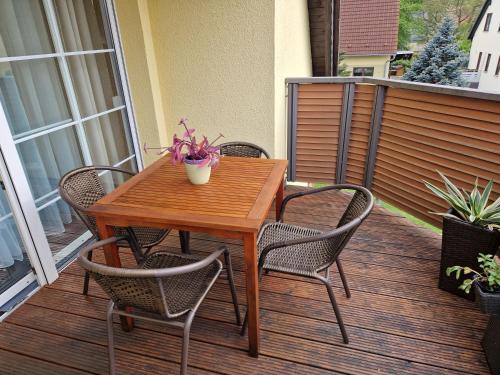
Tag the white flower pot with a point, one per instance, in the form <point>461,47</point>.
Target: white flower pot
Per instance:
<point>197,175</point>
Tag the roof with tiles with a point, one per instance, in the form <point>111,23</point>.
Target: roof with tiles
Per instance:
<point>369,27</point>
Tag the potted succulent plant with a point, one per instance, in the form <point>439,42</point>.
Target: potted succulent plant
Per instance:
<point>487,287</point>
<point>486,282</point>
<point>198,157</point>
<point>469,227</point>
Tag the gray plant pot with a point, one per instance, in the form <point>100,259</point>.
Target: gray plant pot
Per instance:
<point>489,302</point>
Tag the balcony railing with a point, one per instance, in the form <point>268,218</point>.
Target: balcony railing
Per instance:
<point>390,135</point>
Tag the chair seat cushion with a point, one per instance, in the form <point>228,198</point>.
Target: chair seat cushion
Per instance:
<point>304,259</point>
<point>182,291</point>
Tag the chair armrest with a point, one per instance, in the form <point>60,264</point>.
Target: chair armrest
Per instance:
<point>289,197</point>
<point>307,239</point>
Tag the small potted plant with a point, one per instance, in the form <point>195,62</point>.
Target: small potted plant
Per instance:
<point>486,282</point>
<point>469,227</point>
<point>198,157</point>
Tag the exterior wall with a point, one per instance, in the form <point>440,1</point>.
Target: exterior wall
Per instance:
<point>380,63</point>
<point>292,59</point>
<point>487,42</point>
<point>138,60</point>
<point>215,64</point>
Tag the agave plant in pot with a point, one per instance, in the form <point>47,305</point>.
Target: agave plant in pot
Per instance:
<point>470,226</point>
<point>199,158</point>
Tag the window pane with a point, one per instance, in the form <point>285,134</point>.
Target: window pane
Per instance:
<point>47,158</point>
<point>33,96</point>
<point>14,264</point>
<point>96,86</point>
<point>81,24</point>
<point>109,139</point>
<point>23,29</point>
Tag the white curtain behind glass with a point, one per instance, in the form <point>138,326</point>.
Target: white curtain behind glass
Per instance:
<point>33,95</point>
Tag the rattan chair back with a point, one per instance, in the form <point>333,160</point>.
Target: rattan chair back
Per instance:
<point>160,286</point>
<point>243,149</point>
<point>81,188</point>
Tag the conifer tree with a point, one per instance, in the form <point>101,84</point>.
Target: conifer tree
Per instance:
<point>441,59</point>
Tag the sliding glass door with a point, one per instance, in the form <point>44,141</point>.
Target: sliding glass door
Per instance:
<point>64,106</point>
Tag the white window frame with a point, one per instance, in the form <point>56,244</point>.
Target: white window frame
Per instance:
<point>22,202</point>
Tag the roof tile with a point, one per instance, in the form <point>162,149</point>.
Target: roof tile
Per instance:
<point>369,27</point>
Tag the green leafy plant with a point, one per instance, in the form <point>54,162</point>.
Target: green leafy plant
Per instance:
<point>489,277</point>
<point>472,207</point>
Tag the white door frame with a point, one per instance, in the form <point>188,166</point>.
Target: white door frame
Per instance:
<point>17,187</point>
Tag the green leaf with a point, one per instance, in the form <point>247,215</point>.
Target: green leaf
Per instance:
<point>486,195</point>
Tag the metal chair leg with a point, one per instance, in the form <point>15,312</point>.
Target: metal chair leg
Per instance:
<point>111,351</point>
<point>230,278</point>
<point>335,309</point>
<point>343,278</point>
<point>185,343</point>
<point>86,278</point>
<point>184,239</point>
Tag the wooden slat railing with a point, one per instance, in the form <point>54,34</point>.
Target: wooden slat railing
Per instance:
<point>343,135</point>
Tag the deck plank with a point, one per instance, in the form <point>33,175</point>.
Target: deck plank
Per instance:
<point>399,322</point>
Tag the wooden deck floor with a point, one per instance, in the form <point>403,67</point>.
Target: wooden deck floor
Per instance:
<point>398,321</point>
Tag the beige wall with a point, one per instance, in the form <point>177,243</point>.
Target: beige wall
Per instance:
<point>221,63</point>
<point>380,63</point>
<point>138,69</point>
<point>292,59</point>
<point>215,63</point>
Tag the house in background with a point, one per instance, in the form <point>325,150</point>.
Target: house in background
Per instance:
<point>368,35</point>
<point>484,55</point>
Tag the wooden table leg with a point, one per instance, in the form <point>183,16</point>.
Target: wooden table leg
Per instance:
<point>252,284</point>
<point>279,198</point>
<point>112,257</point>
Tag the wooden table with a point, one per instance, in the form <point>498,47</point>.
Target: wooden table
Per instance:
<point>234,204</point>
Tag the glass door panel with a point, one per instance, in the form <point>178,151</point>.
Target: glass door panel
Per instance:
<point>33,96</point>
<point>23,29</point>
<point>14,263</point>
<point>82,25</point>
<point>65,107</point>
<point>95,84</point>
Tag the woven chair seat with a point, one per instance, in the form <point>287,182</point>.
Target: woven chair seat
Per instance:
<point>182,292</point>
<point>304,259</point>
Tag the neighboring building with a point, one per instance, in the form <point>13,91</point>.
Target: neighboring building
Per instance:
<point>89,82</point>
<point>369,35</point>
<point>485,50</point>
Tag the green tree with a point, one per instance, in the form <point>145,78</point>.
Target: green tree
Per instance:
<point>410,21</point>
<point>440,61</point>
<point>462,12</point>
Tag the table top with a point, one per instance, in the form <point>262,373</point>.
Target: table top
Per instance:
<point>237,197</point>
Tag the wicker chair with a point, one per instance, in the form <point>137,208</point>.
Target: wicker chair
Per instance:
<point>82,187</point>
<point>243,149</point>
<point>307,252</point>
<point>167,288</point>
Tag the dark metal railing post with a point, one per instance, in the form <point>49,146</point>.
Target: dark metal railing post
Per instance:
<point>375,125</point>
<point>344,131</point>
<point>293,89</point>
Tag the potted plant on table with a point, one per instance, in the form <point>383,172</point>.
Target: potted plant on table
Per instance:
<point>198,157</point>
<point>470,226</point>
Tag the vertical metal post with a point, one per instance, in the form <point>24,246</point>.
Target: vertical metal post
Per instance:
<point>345,131</point>
<point>292,130</point>
<point>375,125</point>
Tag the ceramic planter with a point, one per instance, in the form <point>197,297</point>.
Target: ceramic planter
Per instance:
<point>462,243</point>
<point>197,175</point>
